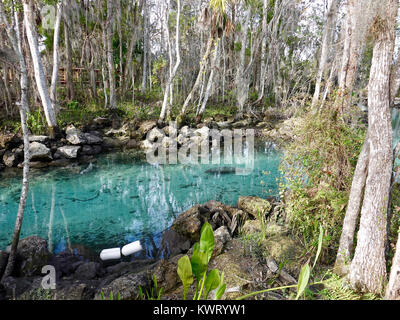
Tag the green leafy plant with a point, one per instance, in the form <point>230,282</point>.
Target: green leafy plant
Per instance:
<point>197,267</point>
<point>118,297</point>
<point>154,293</point>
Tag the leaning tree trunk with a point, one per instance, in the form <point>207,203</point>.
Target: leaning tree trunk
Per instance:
<point>210,79</point>
<point>368,268</point>
<point>15,39</point>
<point>56,60</point>
<point>38,66</point>
<point>345,251</point>
<point>199,76</point>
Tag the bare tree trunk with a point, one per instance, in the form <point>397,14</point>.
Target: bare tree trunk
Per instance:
<point>331,17</point>
<point>68,58</point>
<point>56,41</point>
<point>110,57</point>
<point>393,288</point>
<point>345,251</point>
<point>38,66</point>
<point>166,107</point>
<point>263,51</point>
<point>210,79</point>
<point>145,44</point>
<point>241,81</point>
<point>368,268</point>
<point>13,32</point>
<point>199,76</point>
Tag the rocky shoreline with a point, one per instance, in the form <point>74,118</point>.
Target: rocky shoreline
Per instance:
<point>104,135</point>
<point>83,278</point>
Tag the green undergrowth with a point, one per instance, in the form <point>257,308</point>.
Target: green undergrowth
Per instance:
<point>318,168</point>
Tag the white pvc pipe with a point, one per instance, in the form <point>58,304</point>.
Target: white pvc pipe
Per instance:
<point>132,248</point>
<point>110,254</point>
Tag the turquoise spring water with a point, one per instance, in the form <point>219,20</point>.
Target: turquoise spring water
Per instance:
<point>122,199</point>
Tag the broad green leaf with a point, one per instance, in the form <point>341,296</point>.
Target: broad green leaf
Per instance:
<point>212,282</point>
<point>220,292</point>
<point>304,277</point>
<point>102,295</point>
<point>111,296</point>
<point>320,238</point>
<point>207,240</point>
<point>185,273</point>
<point>199,262</point>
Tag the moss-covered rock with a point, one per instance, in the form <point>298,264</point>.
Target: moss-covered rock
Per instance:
<point>254,206</point>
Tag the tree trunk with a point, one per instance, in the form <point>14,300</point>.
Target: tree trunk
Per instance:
<point>38,66</point>
<point>199,76</point>
<point>14,36</point>
<point>210,79</point>
<point>329,28</point>
<point>241,76</point>
<point>168,89</point>
<point>345,251</point>
<point>368,268</point>
<point>110,56</point>
<point>145,44</point>
<point>68,59</point>
<point>393,288</point>
<point>54,77</point>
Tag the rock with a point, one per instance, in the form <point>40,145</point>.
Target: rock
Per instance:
<point>36,164</point>
<point>146,126</point>
<point>3,262</point>
<point>173,243</point>
<point>118,132</point>
<point>165,272</point>
<point>254,206</point>
<point>10,159</point>
<point>204,132</point>
<point>127,286</point>
<point>90,150</point>
<point>189,223</point>
<point>101,122</point>
<point>168,142</point>
<point>132,144</point>
<point>145,145</point>
<point>241,124</point>
<point>264,125</point>
<point>170,131</point>
<point>87,271</point>
<point>224,125</point>
<point>14,287</point>
<point>69,152</point>
<point>10,140</point>
<point>112,143</point>
<point>240,272</point>
<point>251,227</point>
<point>32,255</point>
<point>222,237</point>
<point>39,151</point>
<point>92,138</point>
<point>75,136</point>
<point>40,139</point>
<point>59,163</point>
<point>186,131</point>
<point>155,135</point>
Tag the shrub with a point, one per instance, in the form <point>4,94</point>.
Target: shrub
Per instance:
<point>318,169</point>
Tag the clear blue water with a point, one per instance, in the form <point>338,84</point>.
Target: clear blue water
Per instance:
<point>123,199</point>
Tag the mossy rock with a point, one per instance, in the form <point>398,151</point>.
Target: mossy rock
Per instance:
<point>254,206</point>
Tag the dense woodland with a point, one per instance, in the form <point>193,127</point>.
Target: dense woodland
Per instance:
<point>316,61</point>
